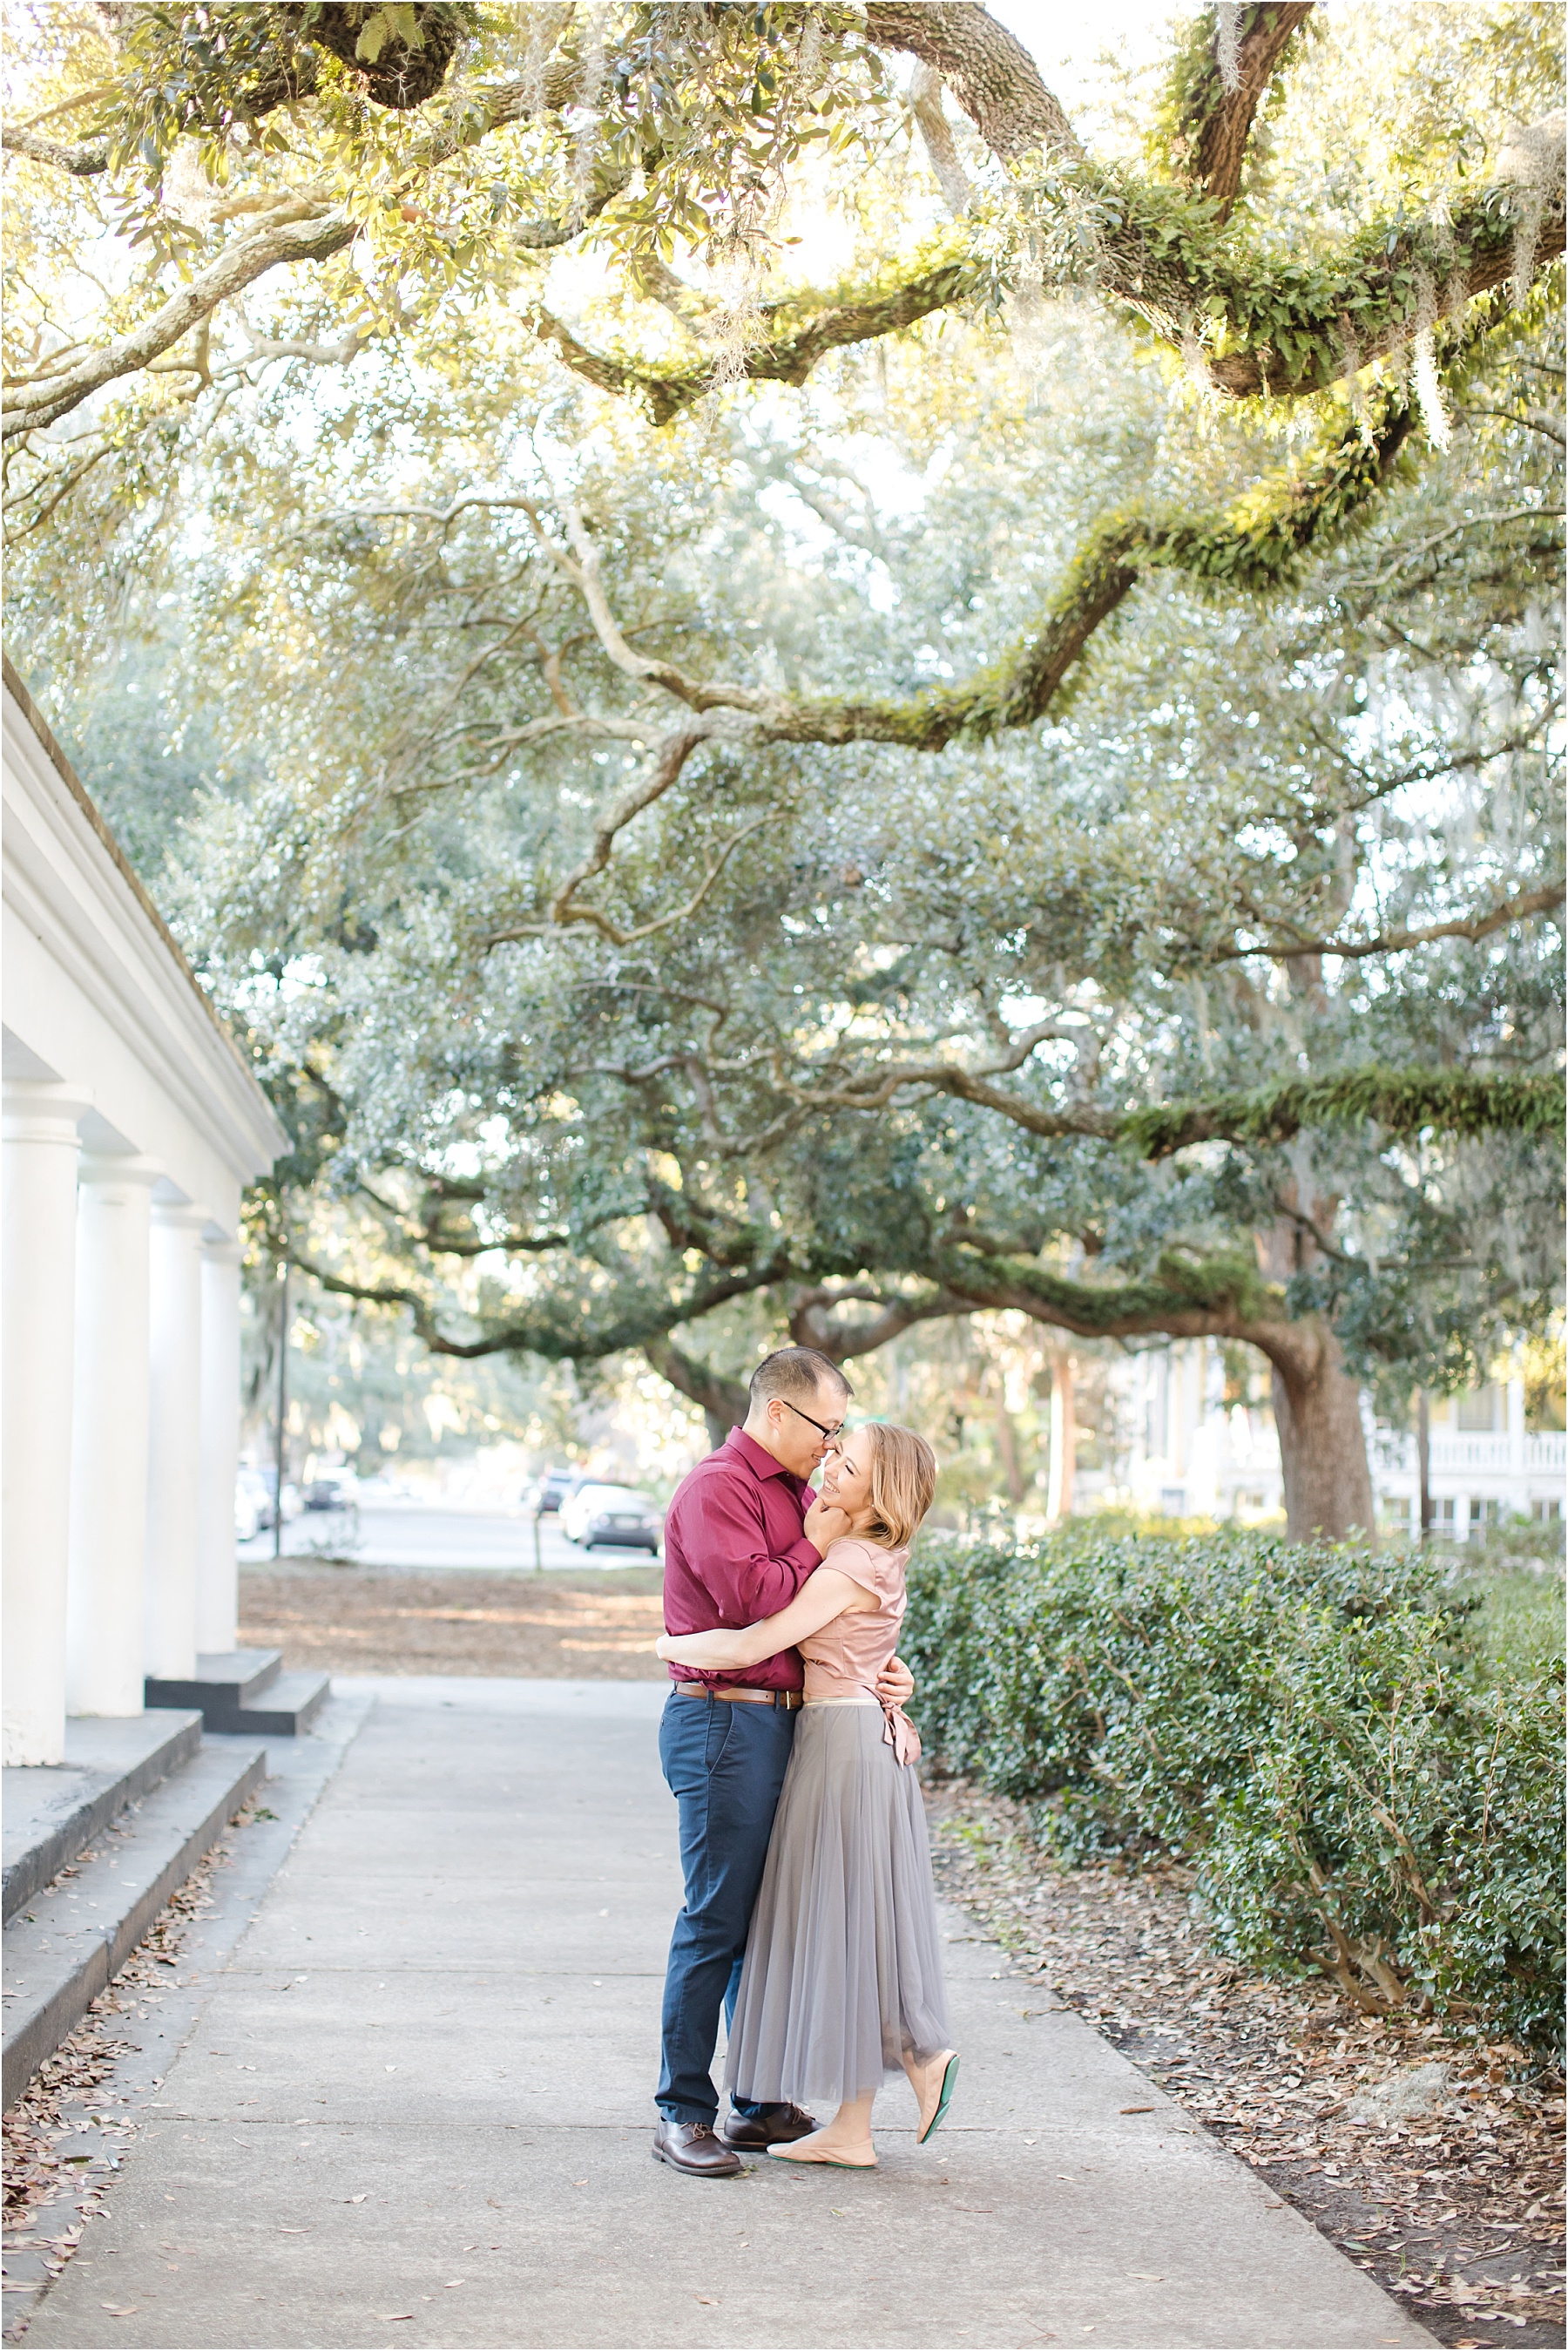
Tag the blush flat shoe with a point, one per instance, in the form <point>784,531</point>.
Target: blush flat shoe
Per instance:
<point>947,2060</point>
<point>832,2162</point>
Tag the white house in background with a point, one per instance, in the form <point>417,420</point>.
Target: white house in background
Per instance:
<point>132,1126</point>
<point>1484,1467</point>
<point>1180,1449</point>
<point>1177,1446</point>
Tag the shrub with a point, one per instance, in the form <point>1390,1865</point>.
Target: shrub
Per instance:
<point>1316,1730</point>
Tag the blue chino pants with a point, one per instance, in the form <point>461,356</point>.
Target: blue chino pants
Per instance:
<point>725,1764</point>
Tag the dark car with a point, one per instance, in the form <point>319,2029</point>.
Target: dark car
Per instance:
<point>613,1516</point>
<point>555,1487</point>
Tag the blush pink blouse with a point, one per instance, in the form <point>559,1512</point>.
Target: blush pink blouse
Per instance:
<point>845,1658</point>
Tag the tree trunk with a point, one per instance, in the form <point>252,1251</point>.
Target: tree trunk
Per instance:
<point>1323,1445</point>
<point>724,1401</point>
<point>1063,1438</point>
<point>1007,1445</point>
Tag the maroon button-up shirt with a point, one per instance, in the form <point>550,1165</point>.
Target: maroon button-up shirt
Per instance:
<point>735,1550</point>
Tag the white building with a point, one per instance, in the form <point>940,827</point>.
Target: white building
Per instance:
<point>1180,1449</point>
<point>1484,1467</point>
<point>132,1126</point>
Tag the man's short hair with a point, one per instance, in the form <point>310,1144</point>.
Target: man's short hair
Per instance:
<point>794,1371</point>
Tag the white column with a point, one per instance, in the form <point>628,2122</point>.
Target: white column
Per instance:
<point>38,1282</point>
<point>1516,1442</point>
<point>218,1590</point>
<point>107,1600</point>
<point>175,1441</point>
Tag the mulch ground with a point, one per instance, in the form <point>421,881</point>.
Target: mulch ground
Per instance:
<point>588,1625</point>
<point>1436,2165</point>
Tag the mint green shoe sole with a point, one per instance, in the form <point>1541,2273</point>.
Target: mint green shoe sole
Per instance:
<point>943,2103</point>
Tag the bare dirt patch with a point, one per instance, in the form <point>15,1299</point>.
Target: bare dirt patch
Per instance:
<point>598,1624</point>
<point>1433,2164</point>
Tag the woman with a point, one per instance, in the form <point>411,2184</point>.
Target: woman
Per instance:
<point>842,1982</point>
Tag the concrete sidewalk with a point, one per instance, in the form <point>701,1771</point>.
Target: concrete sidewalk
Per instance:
<point>415,2110</point>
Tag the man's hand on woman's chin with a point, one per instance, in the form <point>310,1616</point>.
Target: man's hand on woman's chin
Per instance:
<point>825,1523</point>
<point>894,1683</point>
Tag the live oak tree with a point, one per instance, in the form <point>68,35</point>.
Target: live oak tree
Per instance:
<point>871,940</point>
<point>692,875</point>
<point>414,156</point>
<point>903,1038</point>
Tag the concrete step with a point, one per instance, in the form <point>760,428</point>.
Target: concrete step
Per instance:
<point>285,1708</point>
<point>63,1947</point>
<point>225,1681</point>
<point>53,1809</point>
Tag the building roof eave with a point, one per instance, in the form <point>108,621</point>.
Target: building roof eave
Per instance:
<point>255,1135</point>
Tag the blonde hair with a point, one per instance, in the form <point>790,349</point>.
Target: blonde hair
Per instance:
<point>903,1481</point>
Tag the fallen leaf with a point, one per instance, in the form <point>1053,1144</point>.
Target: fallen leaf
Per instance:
<point>1138,2110</point>
<point>357,2200</point>
<point>284,2231</point>
<point>708,2300</point>
<point>121,2310</point>
<point>1150,2277</point>
<point>391,2318</point>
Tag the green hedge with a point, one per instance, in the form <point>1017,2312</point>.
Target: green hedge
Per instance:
<point>1312,1728</point>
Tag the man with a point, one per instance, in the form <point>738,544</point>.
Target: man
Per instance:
<point>743,1532</point>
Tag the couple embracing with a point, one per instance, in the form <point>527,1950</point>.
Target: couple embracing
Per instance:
<point>810,1916</point>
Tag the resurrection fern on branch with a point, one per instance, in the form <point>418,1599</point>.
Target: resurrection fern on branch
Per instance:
<point>1404,1103</point>
<point>411,128</point>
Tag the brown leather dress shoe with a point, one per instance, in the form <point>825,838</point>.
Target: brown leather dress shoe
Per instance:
<point>755,2132</point>
<point>695,2148</point>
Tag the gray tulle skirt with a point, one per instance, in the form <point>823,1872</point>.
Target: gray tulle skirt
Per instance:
<point>843,1973</point>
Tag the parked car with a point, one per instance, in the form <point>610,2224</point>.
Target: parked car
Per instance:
<point>254,1511</point>
<point>555,1487</point>
<point>616,1516</point>
<point>252,1504</point>
<point>334,1491</point>
<point>379,1486</point>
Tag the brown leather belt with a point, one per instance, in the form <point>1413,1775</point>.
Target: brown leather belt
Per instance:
<point>791,1700</point>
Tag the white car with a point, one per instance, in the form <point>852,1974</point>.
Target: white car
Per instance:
<point>252,1504</point>
<point>616,1516</point>
<point>381,1487</point>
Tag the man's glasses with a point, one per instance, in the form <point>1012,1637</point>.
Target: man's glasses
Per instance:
<point>832,1435</point>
